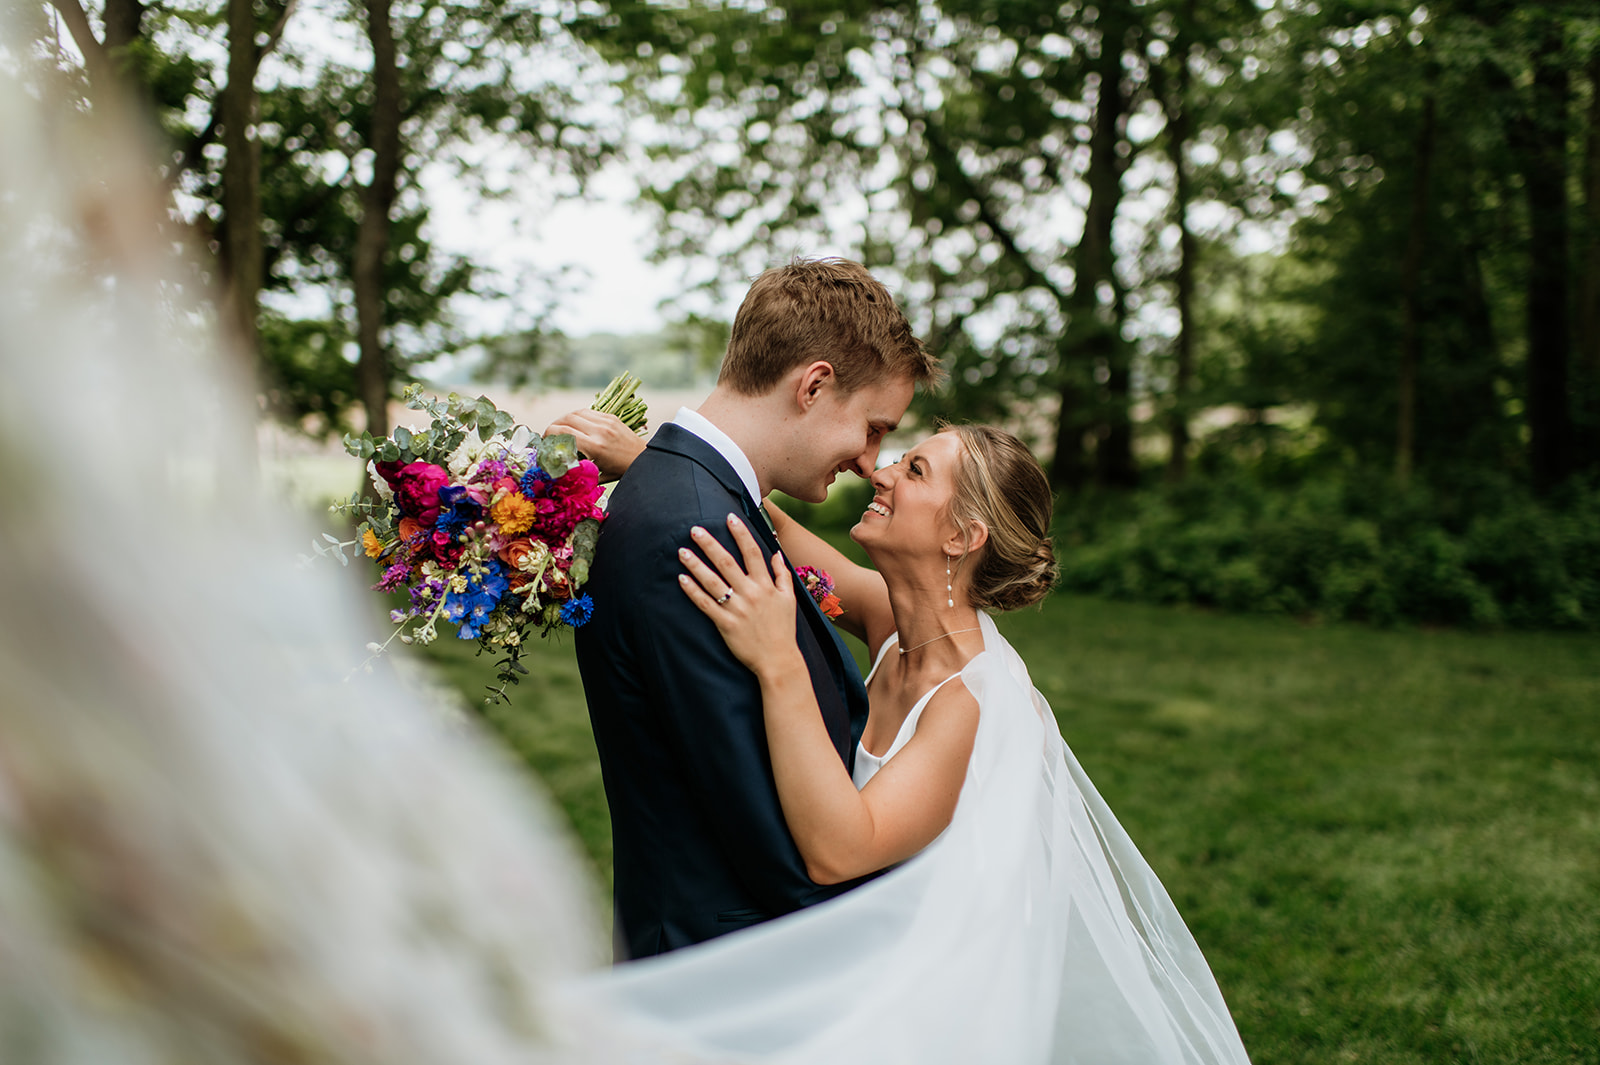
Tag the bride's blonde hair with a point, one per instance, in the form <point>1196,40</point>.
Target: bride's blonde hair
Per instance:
<point>1000,484</point>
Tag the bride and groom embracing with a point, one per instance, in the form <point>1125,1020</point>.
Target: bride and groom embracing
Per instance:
<point>916,866</point>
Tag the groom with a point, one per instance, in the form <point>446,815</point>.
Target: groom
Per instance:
<point>820,366</point>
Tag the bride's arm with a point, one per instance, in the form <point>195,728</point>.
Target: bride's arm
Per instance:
<point>861,590</point>
<point>841,833</point>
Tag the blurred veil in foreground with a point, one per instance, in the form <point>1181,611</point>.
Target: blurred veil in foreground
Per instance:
<point>211,849</point>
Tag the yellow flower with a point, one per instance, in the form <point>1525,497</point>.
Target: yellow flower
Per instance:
<point>371,544</point>
<point>514,513</point>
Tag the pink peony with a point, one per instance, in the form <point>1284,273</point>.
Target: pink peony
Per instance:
<point>416,488</point>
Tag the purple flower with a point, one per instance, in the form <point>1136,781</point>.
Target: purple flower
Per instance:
<point>490,470</point>
<point>393,577</point>
<point>420,596</point>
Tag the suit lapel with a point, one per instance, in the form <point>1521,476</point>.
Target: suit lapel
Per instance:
<point>841,663</point>
<point>680,441</point>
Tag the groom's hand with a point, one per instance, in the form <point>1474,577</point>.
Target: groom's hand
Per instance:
<point>752,605</point>
<point>603,438</point>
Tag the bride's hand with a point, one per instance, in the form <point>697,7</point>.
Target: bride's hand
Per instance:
<point>601,437</point>
<point>752,608</point>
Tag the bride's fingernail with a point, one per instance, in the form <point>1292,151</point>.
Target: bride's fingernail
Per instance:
<point>733,519</point>
<point>683,553</point>
<point>697,531</point>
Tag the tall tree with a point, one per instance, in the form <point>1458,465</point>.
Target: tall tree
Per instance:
<point>1539,135</point>
<point>373,370</point>
<point>1173,93</point>
<point>1411,295</point>
<point>1588,348</point>
<point>241,176</point>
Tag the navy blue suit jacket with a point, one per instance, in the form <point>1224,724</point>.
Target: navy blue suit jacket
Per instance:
<point>700,844</point>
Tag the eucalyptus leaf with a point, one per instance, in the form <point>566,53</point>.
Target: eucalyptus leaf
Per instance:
<point>558,454</point>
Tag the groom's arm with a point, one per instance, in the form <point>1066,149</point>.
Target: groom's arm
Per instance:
<point>712,709</point>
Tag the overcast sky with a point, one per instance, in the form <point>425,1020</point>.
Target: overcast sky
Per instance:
<point>602,243</point>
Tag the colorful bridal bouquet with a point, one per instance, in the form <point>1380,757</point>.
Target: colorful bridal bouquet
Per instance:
<point>482,523</point>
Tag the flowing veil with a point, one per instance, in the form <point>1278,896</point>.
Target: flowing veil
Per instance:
<point>212,849</point>
<point>1030,931</point>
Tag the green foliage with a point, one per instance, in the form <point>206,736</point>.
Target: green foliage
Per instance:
<point>305,376</point>
<point>1341,546</point>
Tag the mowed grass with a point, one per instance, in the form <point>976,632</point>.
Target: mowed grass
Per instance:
<point>1387,843</point>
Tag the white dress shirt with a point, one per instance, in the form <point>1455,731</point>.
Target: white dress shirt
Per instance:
<point>723,444</point>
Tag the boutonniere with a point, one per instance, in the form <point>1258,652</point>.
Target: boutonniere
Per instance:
<point>820,587</point>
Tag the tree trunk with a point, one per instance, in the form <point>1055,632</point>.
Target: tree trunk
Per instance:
<point>106,61</point>
<point>1589,295</point>
<point>373,371</point>
<point>1178,134</point>
<point>1540,138</point>
<point>1093,335</point>
<point>241,180</point>
<point>1405,452</point>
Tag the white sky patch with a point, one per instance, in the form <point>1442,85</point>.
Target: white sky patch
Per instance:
<point>598,245</point>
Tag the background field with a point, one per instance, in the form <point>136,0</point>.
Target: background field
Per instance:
<point>1388,843</point>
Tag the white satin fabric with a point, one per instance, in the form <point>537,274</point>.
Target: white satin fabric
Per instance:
<point>1031,931</point>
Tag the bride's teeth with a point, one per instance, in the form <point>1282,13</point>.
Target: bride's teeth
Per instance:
<point>878,508</point>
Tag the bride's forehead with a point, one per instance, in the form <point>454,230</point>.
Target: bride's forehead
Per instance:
<point>946,446</point>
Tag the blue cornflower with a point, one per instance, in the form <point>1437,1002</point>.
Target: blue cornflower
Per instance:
<point>532,481</point>
<point>577,611</point>
<point>456,511</point>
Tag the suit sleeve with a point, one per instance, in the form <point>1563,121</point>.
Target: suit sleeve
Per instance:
<point>712,707</point>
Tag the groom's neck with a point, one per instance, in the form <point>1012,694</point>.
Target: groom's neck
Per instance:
<point>756,423</point>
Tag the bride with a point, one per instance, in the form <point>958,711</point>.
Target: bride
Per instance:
<point>1018,922</point>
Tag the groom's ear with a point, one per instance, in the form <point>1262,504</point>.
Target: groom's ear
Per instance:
<point>814,380</point>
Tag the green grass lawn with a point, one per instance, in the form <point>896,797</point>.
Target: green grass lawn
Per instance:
<point>1387,843</point>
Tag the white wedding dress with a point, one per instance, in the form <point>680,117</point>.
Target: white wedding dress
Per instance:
<point>1030,931</point>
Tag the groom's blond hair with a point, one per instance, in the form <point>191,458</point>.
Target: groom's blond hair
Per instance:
<point>828,310</point>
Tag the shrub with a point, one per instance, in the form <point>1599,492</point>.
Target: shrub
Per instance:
<point>1339,547</point>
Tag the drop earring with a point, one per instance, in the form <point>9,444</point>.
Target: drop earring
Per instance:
<point>949,584</point>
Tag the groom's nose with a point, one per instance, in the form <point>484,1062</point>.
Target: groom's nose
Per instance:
<point>863,464</point>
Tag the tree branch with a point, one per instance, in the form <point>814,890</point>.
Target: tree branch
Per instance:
<point>95,59</point>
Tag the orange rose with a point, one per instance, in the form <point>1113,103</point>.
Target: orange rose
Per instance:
<point>518,581</point>
<point>371,544</point>
<point>831,607</point>
<point>409,527</point>
<point>513,553</point>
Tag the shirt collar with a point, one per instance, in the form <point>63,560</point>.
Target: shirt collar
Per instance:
<point>722,443</point>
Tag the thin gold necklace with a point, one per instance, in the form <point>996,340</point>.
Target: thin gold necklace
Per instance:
<point>942,635</point>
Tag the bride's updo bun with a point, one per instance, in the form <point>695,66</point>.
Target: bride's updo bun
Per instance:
<point>1000,484</point>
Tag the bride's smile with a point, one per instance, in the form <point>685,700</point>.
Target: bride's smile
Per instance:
<point>909,512</point>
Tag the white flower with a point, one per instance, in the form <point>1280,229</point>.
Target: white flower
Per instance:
<point>462,458</point>
<point>385,493</point>
<point>537,558</point>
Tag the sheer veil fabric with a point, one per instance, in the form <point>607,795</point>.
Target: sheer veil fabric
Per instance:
<point>1030,931</point>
